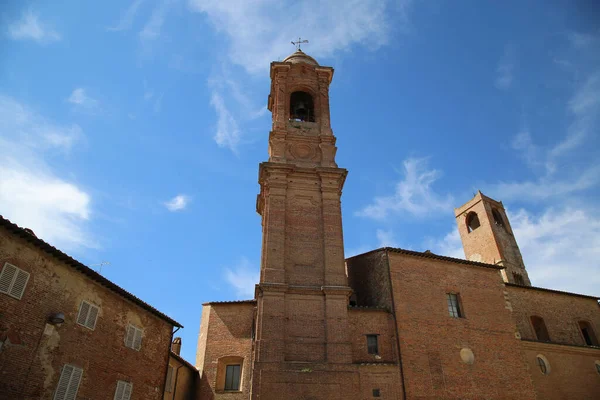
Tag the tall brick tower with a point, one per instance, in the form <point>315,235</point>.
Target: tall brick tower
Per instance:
<point>302,297</point>
<point>487,237</point>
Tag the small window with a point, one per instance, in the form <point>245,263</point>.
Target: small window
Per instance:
<point>543,364</point>
<point>232,377</point>
<point>88,314</point>
<point>13,281</point>
<point>169,384</point>
<point>372,345</point>
<point>518,278</point>
<point>472,221</point>
<point>497,217</point>
<point>376,393</point>
<point>539,326</point>
<point>68,384</point>
<point>454,305</point>
<point>597,363</point>
<point>123,391</point>
<point>133,339</point>
<point>588,334</point>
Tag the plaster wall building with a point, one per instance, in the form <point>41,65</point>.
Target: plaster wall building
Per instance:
<point>390,323</point>
<point>66,332</point>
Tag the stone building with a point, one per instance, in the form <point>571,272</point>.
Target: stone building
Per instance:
<point>67,333</point>
<point>390,323</point>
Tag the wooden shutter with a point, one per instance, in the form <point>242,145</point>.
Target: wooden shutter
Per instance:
<point>130,336</point>
<point>123,391</point>
<point>84,310</point>
<point>68,384</point>
<point>91,318</point>
<point>13,281</point>
<point>137,342</point>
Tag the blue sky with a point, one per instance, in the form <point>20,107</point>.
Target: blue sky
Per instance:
<point>132,131</point>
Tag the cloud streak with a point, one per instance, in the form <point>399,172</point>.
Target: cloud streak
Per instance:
<point>29,27</point>
<point>243,277</point>
<point>178,203</point>
<point>126,20</point>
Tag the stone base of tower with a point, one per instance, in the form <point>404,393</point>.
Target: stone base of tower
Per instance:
<point>313,381</point>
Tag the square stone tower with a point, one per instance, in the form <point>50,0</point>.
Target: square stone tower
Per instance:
<point>487,237</point>
<point>302,297</point>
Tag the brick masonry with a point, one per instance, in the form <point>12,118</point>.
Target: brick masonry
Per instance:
<point>31,369</point>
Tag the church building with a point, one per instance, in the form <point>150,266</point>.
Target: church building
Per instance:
<point>389,323</point>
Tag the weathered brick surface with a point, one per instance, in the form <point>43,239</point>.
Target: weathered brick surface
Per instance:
<point>225,332</point>
<point>368,276</point>
<point>31,370</point>
<point>431,340</point>
<point>365,322</point>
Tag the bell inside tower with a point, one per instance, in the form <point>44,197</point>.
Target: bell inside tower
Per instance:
<point>302,107</point>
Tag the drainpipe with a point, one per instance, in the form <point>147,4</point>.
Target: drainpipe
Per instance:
<point>176,376</point>
<point>387,257</point>
<point>164,385</point>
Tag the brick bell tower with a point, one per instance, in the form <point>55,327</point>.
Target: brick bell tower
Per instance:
<point>487,237</point>
<point>302,297</point>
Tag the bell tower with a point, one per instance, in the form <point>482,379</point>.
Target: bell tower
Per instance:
<point>302,297</point>
<point>487,237</point>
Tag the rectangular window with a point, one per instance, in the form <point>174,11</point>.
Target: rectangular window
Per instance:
<point>372,346</point>
<point>13,281</point>
<point>454,306</point>
<point>68,384</point>
<point>88,314</point>
<point>518,278</point>
<point>376,393</point>
<point>133,339</point>
<point>168,386</point>
<point>232,377</point>
<point>123,391</point>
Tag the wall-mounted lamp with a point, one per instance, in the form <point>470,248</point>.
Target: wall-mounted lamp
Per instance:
<point>56,318</point>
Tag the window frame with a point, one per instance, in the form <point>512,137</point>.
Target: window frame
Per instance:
<point>134,340</point>
<point>233,387</point>
<point>591,333</point>
<point>376,392</point>
<point>86,323</point>
<point>125,385</point>
<point>11,286</point>
<point>370,345</point>
<point>69,389</point>
<point>460,313</point>
<point>470,215</point>
<point>535,331</point>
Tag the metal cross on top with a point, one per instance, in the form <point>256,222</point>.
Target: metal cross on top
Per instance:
<point>298,43</point>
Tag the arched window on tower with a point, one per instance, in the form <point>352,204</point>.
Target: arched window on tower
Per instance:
<point>497,217</point>
<point>302,107</point>
<point>472,221</point>
<point>539,326</point>
<point>588,333</point>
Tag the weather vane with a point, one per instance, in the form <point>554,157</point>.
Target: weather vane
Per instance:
<point>298,43</point>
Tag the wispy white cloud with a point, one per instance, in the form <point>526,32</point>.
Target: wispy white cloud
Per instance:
<point>332,26</point>
<point>413,194</point>
<point>581,40</point>
<point>83,101</point>
<point>243,277</point>
<point>385,238</point>
<point>29,27</point>
<point>126,20</point>
<point>153,27</point>
<point>504,71</point>
<point>228,132</point>
<point>31,193</point>
<point>178,203</point>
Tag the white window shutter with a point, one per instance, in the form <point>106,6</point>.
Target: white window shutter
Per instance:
<point>127,391</point>
<point>6,277</point>
<point>84,310</point>
<point>138,339</point>
<point>130,336</point>
<point>68,384</point>
<point>92,317</point>
<point>74,384</point>
<point>19,284</point>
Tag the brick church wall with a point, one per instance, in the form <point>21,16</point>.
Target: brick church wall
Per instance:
<point>365,322</point>
<point>431,340</point>
<point>368,276</point>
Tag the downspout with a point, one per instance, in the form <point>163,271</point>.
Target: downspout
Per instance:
<point>164,385</point>
<point>387,257</point>
<point>176,376</point>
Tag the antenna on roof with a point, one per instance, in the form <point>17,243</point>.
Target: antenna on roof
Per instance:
<point>100,265</point>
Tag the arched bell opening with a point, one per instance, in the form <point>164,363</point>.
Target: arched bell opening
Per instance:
<point>302,107</point>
